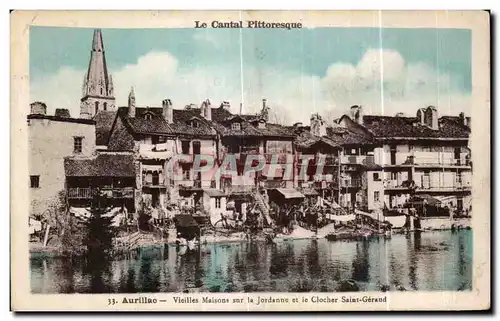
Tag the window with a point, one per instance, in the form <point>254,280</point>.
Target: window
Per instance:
<point>96,107</point>
<point>147,116</point>
<point>376,196</point>
<point>101,91</point>
<point>77,145</point>
<point>236,126</point>
<point>105,106</point>
<point>217,202</point>
<point>185,146</point>
<point>376,176</point>
<point>195,124</point>
<point>196,147</point>
<point>34,181</point>
<point>186,173</point>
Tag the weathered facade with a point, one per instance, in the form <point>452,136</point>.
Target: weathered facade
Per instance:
<point>154,135</point>
<point>51,139</point>
<point>424,156</point>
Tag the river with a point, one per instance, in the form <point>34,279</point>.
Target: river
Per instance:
<point>427,261</point>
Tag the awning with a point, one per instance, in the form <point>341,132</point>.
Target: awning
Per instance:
<point>212,192</point>
<point>155,155</point>
<point>290,193</point>
<point>429,199</point>
<point>445,199</point>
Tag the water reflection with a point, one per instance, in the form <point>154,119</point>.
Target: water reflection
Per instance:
<point>418,261</point>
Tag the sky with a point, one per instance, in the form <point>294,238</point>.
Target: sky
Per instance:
<point>299,72</point>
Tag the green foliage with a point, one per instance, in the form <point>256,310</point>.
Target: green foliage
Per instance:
<point>99,231</point>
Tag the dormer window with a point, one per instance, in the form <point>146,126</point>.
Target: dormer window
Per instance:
<point>195,124</point>
<point>147,117</point>
<point>236,126</point>
<point>262,124</point>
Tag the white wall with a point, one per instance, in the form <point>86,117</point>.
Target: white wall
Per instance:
<point>375,186</point>
<point>49,142</point>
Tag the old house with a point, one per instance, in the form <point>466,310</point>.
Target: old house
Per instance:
<point>113,175</point>
<point>317,159</point>
<point>344,164</point>
<point>426,154</point>
<point>154,135</point>
<point>51,139</point>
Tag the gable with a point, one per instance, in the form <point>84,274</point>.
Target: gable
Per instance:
<point>120,139</point>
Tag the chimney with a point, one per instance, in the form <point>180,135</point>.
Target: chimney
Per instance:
<point>357,114</point>
<point>226,105</point>
<point>38,108</point>
<point>421,116</point>
<point>206,110</point>
<point>265,110</point>
<point>131,103</point>
<point>62,112</point>
<point>318,126</point>
<point>467,121</point>
<point>463,119</point>
<point>168,112</point>
<point>431,117</point>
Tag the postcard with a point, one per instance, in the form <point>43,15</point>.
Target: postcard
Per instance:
<point>250,160</point>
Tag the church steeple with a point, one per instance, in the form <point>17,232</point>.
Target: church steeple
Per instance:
<point>97,85</point>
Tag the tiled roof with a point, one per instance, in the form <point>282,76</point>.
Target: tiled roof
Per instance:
<point>155,125</point>
<point>110,165</point>
<point>103,123</point>
<point>389,126</point>
<point>181,124</point>
<point>305,140</point>
<point>222,119</point>
<point>344,136</point>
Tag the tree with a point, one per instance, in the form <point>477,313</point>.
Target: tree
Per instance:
<point>99,231</point>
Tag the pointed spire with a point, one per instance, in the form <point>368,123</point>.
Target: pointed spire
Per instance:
<point>98,91</point>
<point>97,44</point>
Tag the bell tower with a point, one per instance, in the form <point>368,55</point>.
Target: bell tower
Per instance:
<point>97,91</point>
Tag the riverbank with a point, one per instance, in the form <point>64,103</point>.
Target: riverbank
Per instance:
<point>212,236</point>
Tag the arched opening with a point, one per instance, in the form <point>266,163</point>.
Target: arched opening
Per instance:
<point>104,106</point>
<point>101,91</point>
<point>96,107</point>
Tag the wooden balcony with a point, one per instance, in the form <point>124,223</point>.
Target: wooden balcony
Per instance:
<point>86,192</point>
<point>154,184</point>
<point>80,192</point>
